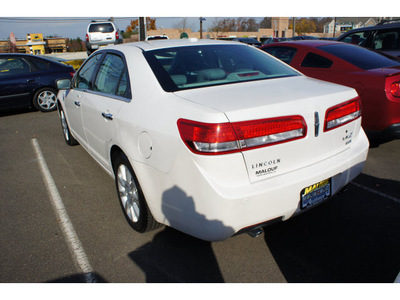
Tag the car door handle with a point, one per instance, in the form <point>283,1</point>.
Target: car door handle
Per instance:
<point>77,103</point>
<point>107,116</point>
<point>30,80</point>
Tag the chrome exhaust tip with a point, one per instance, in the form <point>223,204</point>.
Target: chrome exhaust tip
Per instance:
<point>255,232</point>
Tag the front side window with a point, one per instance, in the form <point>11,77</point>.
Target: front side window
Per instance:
<point>13,66</point>
<point>200,66</point>
<point>313,60</point>
<point>112,77</point>
<point>357,38</point>
<point>85,75</point>
<point>285,54</point>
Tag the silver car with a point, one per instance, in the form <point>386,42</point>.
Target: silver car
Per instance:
<point>101,33</point>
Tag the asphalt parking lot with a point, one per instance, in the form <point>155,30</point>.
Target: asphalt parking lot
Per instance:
<point>352,238</point>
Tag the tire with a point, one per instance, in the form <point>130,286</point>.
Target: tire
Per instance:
<point>68,137</point>
<point>45,99</point>
<point>131,197</point>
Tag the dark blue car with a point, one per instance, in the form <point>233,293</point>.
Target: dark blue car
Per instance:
<point>27,80</point>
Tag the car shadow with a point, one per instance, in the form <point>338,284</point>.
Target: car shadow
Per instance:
<point>16,111</point>
<point>353,238</point>
<point>173,256</point>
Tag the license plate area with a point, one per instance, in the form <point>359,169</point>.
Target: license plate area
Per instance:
<point>315,193</point>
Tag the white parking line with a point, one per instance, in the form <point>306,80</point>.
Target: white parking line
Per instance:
<point>375,192</point>
<point>75,246</point>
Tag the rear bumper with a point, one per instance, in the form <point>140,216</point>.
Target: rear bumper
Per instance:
<point>212,211</point>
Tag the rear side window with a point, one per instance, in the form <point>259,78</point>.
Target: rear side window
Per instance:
<point>39,64</point>
<point>285,54</point>
<point>101,27</point>
<point>85,75</point>
<point>387,40</point>
<point>313,60</point>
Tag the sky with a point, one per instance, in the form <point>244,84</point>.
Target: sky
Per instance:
<point>70,27</point>
<point>70,18</point>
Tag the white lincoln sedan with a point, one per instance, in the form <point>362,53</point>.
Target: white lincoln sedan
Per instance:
<point>209,137</point>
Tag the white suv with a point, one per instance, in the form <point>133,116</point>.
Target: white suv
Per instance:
<point>101,33</point>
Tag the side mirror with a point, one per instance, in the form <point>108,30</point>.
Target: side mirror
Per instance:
<point>63,84</point>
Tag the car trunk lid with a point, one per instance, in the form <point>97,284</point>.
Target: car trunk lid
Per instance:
<point>277,98</point>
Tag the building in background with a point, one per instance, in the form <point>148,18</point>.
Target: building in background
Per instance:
<point>346,24</point>
<point>279,28</point>
<point>35,44</point>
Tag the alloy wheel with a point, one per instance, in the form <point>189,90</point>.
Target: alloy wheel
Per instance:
<point>47,100</point>
<point>128,193</point>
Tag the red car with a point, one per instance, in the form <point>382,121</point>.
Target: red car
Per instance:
<point>376,77</point>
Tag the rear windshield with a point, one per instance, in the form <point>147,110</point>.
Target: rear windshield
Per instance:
<point>363,58</point>
<point>190,67</point>
<point>101,27</point>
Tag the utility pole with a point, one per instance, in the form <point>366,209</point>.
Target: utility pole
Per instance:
<point>142,29</point>
<point>201,27</point>
<point>294,26</point>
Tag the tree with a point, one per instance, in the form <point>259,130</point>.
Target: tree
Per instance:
<point>133,27</point>
<point>320,23</point>
<point>266,23</point>
<point>74,45</point>
<point>304,26</point>
<point>9,48</point>
<point>182,25</point>
<point>235,24</point>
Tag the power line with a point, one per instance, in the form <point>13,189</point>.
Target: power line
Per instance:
<point>60,20</point>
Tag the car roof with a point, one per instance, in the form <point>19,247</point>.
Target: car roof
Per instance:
<point>160,44</point>
<point>378,26</point>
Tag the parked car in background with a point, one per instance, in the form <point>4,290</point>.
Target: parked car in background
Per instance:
<point>304,37</point>
<point>274,40</point>
<point>376,77</point>
<point>75,63</point>
<point>384,37</point>
<point>101,33</point>
<point>27,80</point>
<point>157,37</point>
<point>248,41</point>
<point>212,138</point>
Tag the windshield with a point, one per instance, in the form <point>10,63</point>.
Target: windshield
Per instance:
<point>360,57</point>
<point>199,66</point>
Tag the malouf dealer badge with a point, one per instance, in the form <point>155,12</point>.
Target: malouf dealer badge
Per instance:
<point>266,167</point>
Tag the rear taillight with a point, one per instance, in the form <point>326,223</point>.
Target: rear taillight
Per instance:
<point>87,37</point>
<point>392,87</point>
<point>395,89</point>
<point>222,138</point>
<point>342,114</point>
<point>116,35</point>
